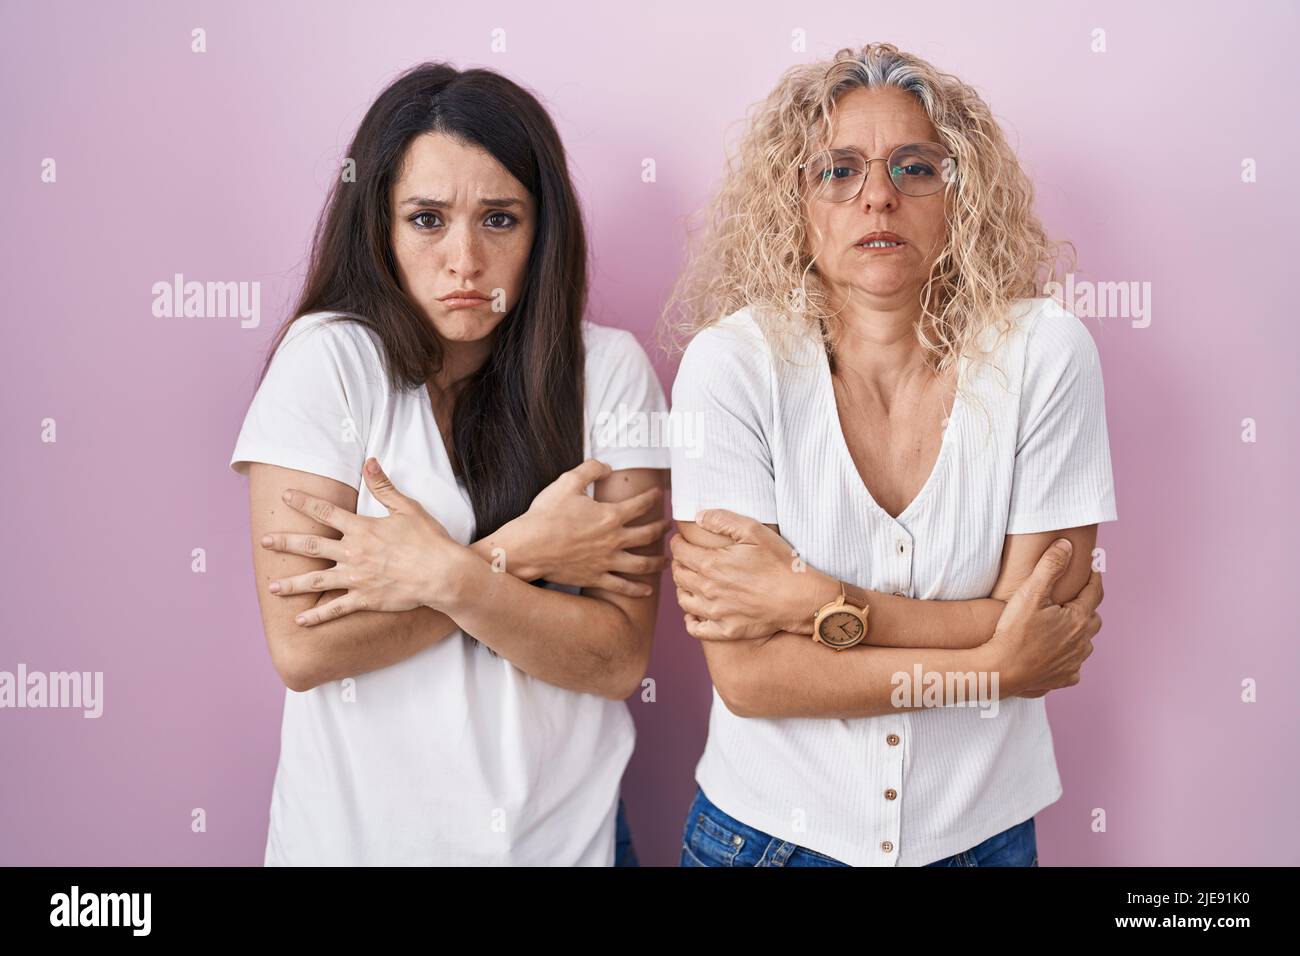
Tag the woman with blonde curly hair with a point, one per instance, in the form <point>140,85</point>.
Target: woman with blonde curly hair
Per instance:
<point>894,505</point>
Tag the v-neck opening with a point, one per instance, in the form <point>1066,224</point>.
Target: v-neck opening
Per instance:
<point>432,419</point>
<point>846,455</point>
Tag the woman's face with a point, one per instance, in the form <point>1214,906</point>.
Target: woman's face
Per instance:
<point>461,223</point>
<point>875,121</point>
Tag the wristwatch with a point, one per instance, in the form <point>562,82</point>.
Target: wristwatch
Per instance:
<point>840,624</point>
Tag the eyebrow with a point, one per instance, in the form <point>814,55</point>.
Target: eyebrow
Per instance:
<point>502,203</point>
<point>889,149</point>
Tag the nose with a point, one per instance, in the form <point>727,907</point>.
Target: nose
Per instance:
<point>878,190</point>
<point>464,251</point>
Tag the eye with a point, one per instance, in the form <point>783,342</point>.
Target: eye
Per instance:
<point>417,220</point>
<point>836,172</point>
<point>914,169</point>
<point>504,220</point>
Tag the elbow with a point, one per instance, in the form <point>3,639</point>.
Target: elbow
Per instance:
<point>737,692</point>
<point>624,667</point>
<point>743,706</point>
<point>627,674</point>
<point>295,672</point>
<point>299,683</point>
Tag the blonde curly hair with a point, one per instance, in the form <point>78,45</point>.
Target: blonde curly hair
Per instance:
<point>752,248</point>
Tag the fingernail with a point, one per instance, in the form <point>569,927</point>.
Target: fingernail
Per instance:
<point>275,587</point>
<point>1066,543</point>
<point>372,467</point>
<point>300,619</point>
<point>267,541</point>
<point>287,495</point>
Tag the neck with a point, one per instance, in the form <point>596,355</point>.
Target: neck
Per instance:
<point>877,342</point>
<point>460,360</point>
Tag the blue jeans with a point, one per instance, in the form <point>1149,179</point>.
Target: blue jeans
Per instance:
<point>624,852</point>
<point>712,838</point>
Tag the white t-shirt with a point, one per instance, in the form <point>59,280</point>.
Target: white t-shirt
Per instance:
<point>452,756</point>
<point>1030,455</point>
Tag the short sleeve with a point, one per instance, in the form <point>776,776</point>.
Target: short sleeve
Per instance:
<point>312,410</point>
<point>722,414</point>
<point>1062,475</point>
<point>627,410</point>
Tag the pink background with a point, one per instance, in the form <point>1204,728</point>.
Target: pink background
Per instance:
<point>215,166</point>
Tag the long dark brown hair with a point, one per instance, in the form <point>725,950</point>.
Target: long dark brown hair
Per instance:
<point>518,422</point>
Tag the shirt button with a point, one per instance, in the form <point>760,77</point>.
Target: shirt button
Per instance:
<point>902,548</point>
<point>892,740</point>
<point>887,847</point>
<point>891,793</point>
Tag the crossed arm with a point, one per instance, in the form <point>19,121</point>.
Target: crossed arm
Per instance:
<point>597,641</point>
<point>784,673</point>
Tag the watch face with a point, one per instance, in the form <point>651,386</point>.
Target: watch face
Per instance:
<point>840,629</point>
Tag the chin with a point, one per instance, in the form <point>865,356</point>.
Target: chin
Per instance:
<point>466,325</point>
<point>882,286</point>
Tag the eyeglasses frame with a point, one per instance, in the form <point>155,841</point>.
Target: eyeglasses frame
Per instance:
<point>866,173</point>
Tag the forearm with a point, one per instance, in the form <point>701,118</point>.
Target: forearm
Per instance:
<point>363,641</point>
<point>895,621</point>
<point>507,549</point>
<point>790,675</point>
<point>369,640</point>
<point>574,641</point>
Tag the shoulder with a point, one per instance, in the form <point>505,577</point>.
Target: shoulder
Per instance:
<point>1053,335</point>
<point>334,328</point>
<point>735,347</point>
<point>612,355</point>
<point>738,333</point>
<point>1061,367</point>
<point>334,339</point>
<point>605,344</point>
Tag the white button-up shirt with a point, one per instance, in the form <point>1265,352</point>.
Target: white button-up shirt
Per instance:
<point>1023,453</point>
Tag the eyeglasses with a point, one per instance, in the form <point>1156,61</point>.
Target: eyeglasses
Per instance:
<point>917,169</point>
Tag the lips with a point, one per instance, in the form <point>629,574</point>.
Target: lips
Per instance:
<point>463,294</point>
<point>880,237</point>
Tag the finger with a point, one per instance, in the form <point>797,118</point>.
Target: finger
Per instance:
<point>381,486</point>
<point>688,578</point>
<point>626,563</point>
<point>692,603</point>
<point>331,611</point>
<point>632,589</point>
<point>688,554</point>
<point>1038,586</point>
<point>310,545</point>
<point>721,521</point>
<point>640,535</point>
<point>584,474</point>
<point>638,505</point>
<point>313,581</point>
<point>325,512</point>
<point>703,628</point>
<point>1088,598</point>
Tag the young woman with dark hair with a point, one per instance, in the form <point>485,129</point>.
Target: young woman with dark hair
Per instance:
<point>456,653</point>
